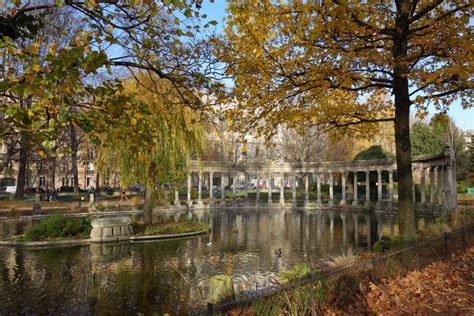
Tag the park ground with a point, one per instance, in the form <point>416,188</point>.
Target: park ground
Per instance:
<point>442,288</point>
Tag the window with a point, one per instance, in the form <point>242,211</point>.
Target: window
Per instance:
<point>63,181</point>
<point>42,181</point>
<point>88,181</point>
<point>42,166</point>
<point>91,154</point>
<point>10,165</point>
<point>72,181</point>
<point>8,182</point>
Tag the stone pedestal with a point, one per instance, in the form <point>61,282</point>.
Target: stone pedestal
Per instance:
<point>37,205</point>
<point>91,206</point>
<point>111,229</point>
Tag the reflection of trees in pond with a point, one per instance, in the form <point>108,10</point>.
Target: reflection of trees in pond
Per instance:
<point>43,279</point>
<point>154,279</point>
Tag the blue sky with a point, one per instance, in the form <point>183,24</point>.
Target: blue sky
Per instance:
<point>463,118</point>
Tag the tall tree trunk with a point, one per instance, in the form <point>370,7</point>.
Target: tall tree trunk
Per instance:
<point>97,179</point>
<point>406,212</point>
<point>147,208</point>
<point>22,160</point>
<point>52,172</point>
<point>74,148</point>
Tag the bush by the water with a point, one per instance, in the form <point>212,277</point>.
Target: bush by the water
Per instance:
<point>387,243</point>
<point>59,227</point>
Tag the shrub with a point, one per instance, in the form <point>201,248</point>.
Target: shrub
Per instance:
<point>299,271</point>
<point>343,259</point>
<point>58,227</point>
<point>386,243</point>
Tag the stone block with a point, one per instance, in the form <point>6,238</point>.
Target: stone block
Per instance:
<point>110,229</point>
<point>107,232</point>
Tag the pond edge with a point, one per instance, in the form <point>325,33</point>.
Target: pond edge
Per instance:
<point>76,242</point>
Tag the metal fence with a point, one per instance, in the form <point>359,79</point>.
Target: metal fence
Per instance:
<point>342,285</point>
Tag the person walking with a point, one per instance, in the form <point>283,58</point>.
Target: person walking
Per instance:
<point>124,195</point>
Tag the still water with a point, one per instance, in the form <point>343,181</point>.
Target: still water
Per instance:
<point>171,276</point>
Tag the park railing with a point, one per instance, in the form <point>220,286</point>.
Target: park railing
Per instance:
<point>343,284</point>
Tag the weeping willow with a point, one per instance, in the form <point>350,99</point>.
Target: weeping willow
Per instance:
<point>155,140</point>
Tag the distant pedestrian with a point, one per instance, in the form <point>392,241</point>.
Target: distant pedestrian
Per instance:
<point>124,195</point>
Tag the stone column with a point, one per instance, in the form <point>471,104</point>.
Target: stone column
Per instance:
<point>293,188</point>
<point>331,190</point>
<point>423,185</point>
<point>282,189</point>
<point>451,190</point>
<point>390,185</point>
<point>176,196</point>
<point>270,201</point>
<point>452,198</point>
<point>199,202</point>
<point>318,188</point>
<point>211,189</point>
<point>367,188</point>
<point>306,189</point>
<point>257,195</point>
<point>440,184</point>
<point>355,201</point>
<point>379,186</point>
<point>343,191</point>
<point>188,191</point>
<point>432,185</point>
<point>222,188</point>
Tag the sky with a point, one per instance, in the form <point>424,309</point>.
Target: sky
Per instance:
<point>463,118</point>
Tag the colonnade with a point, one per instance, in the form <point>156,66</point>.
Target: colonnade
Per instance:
<point>439,171</point>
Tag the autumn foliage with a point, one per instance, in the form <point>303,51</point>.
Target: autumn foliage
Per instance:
<point>442,287</point>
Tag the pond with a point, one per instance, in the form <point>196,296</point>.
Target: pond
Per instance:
<point>171,276</point>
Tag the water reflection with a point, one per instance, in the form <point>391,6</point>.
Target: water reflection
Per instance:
<point>170,276</point>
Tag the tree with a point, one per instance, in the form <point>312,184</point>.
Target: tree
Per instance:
<point>156,144</point>
<point>46,82</point>
<point>307,143</point>
<point>333,62</point>
<point>425,140</point>
<point>373,152</point>
<point>431,140</point>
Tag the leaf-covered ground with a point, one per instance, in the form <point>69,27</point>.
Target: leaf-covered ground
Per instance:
<point>444,287</point>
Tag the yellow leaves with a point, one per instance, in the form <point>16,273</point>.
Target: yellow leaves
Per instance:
<point>36,68</point>
<point>91,4</point>
<point>33,48</point>
<point>53,48</point>
<point>41,153</point>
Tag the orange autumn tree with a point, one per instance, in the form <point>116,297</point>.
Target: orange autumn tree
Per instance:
<point>326,61</point>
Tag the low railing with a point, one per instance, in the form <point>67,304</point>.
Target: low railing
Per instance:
<point>317,290</point>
